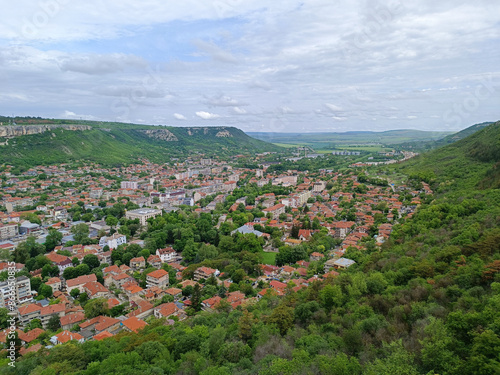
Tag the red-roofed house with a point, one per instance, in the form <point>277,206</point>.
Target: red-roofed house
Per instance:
<point>316,256</point>
<point>158,278</point>
<point>103,335</point>
<point>204,273</point>
<point>167,310</point>
<point>79,282</point>
<point>66,336</point>
<point>210,303</point>
<point>133,324</point>
<point>95,289</point>
<point>68,321</point>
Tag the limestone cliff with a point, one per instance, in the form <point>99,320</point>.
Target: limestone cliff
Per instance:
<point>10,131</point>
<point>163,134</point>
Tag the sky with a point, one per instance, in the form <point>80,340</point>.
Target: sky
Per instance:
<point>267,66</point>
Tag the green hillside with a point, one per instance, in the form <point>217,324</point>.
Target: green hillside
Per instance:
<point>117,143</point>
<point>462,134</point>
<point>469,163</point>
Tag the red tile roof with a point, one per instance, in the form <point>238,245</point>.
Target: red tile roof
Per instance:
<point>66,336</point>
<point>103,335</point>
<point>158,274</point>
<point>134,324</point>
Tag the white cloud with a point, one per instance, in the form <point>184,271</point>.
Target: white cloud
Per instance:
<point>333,107</point>
<point>222,101</point>
<point>72,115</point>
<point>207,115</point>
<point>178,116</point>
<point>239,111</point>
<point>101,64</point>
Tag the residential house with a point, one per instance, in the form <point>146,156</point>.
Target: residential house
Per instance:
<point>68,321</point>
<point>133,324</point>
<point>99,324</point>
<point>167,254</point>
<point>65,336</point>
<point>113,241</point>
<point>210,303</point>
<point>158,278</point>
<point>204,273</point>
<point>49,311</point>
<point>144,309</point>
<point>174,292</point>
<point>315,256</point>
<point>55,283</point>
<point>167,310</point>
<point>79,282</point>
<point>95,289</point>
<point>61,261</point>
<point>155,261</point>
<point>137,263</point>
<point>275,210</point>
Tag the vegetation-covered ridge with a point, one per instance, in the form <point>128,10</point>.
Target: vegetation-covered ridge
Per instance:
<point>426,302</point>
<point>469,163</point>
<point>117,143</point>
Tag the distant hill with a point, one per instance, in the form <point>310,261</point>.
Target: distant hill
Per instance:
<point>471,162</point>
<point>322,140</point>
<point>40,141</point>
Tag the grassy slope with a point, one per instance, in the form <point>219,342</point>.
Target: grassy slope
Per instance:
<point>472,162</point>
<point>115,143</point>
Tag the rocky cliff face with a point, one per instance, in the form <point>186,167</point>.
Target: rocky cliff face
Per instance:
<point>17,131</point>
<point>163,134</point>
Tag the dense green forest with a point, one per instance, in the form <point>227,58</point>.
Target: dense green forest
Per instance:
<point>426,302</point>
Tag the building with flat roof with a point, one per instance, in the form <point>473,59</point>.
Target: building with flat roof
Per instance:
<point>143,214</point>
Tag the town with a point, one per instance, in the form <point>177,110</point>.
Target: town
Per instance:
<point>100,250</point>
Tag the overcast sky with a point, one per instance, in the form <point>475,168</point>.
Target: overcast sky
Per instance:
<point>274,66</point>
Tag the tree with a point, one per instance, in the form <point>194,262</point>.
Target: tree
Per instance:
<point>53,239</point>
<point>45,290</point>
<point>49,270</point>
<point>80,232</point>
<point>70,273</point>
<point>282,316</point>
<point>330,296</point>
<point>74,293</point>
<point>245,324</point>
<point>196,298</point>
<point>96,307</point>
<point>35,323</point>
<point>397,362</point>
<point>54,323</point>
<point>91,260</point>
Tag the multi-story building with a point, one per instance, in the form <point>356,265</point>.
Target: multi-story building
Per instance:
<point>167,254</point>
<point>18,291</point>
<point>204,273</point>
<point>158,278</point>
<point>8,231</point>
<point>143,214</point>
<point>275,210</point>
<point>113,241</point>
<point>129,185</point>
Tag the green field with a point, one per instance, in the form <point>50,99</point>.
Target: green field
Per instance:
<point>287,145</point>
<point>269,258</point>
